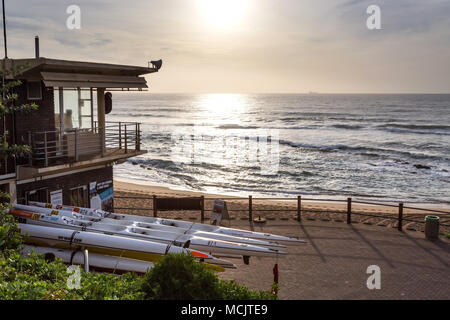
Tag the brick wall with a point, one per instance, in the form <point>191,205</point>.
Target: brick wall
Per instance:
<point>42,119</point>
<point>21,123</point>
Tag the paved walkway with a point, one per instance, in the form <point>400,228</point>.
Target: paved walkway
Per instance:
<point>333,264</point>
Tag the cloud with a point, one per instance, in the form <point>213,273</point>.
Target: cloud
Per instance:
<point>283,45</point>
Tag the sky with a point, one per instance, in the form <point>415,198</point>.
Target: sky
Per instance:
<point>249,46</point>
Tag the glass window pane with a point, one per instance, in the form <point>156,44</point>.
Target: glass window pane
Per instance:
<point>56,104</point>
<point>85,93</point>
<point>71,114</point>
<point>86,108</point>
<point>77,111</point>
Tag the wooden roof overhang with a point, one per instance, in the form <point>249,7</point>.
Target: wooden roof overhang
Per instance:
<point>72,74</point>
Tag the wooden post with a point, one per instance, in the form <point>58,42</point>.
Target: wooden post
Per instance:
<point>76,144</point>
<point>120,135</point>
<point>349,210</point>
<point>250,209</point>
<point>102,143</point>
<point>126,139</point>
<point>299,208</point>
<point>101,110</point>
<point>155,208</point>
<point>202,212</point>
<point>400,216</point>
<point>138,137</point>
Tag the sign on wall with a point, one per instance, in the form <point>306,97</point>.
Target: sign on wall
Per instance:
<point>101,195</point>
<point>56,197</point>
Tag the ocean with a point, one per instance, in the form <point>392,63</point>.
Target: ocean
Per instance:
<point>327,146</point>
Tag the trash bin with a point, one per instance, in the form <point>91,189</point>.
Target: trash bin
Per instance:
<point>432,227</point>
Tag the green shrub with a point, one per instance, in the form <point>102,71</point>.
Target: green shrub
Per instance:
<point>9,237</point>
<point>33,277</point>
<point>100,286</point>
<point>180,277</point>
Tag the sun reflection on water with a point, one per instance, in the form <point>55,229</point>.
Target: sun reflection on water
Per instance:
<point>223,108</point>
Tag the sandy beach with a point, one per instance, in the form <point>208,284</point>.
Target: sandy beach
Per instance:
<point>140,203</point>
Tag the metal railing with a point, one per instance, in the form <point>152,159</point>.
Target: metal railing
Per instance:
<point>397,215</point>
<point>55,147</point>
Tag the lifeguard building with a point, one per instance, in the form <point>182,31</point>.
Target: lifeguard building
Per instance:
<point>73,147</point>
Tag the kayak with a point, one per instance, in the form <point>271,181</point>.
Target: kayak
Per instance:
<point>151,226</point>
<point>184,224</point>
<point>97,262</point>
<point>216,247</point>
<point>111,245</point>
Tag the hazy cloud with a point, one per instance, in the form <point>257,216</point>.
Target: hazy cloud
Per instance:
<point>279,46</point>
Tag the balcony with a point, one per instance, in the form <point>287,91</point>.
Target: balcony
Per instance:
<point>55,151</point>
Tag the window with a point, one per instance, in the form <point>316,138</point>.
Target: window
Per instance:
<point>73,108</point>
<point>34,90</point>
<point>39,195</point>
<point>79,197</point>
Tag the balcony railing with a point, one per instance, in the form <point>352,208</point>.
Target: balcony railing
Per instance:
<point>56,147</point>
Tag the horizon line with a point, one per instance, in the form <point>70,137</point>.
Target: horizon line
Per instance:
<point>298,93</point>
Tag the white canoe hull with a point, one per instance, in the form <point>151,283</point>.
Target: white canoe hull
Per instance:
<point>185,225</point>
<point>212,246</point>
<point>96,261</point>
<point>109,244</point>
<point>153,226</point>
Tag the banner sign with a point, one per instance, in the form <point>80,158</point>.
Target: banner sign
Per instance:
<point>219,212</point>
<point>101,195</point>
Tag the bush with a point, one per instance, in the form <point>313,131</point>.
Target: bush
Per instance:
<point>100,286</point>
<point>180,277</point>
<point>33,277</point>
<point>9,237</point>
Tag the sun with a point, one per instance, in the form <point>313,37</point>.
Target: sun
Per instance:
<point>224,14</point>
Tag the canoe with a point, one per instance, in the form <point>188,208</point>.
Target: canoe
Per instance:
<point>54,212</point>
<point>152,226</point>
<point>97,262</point>
<point>110,245</point>
<point>216,247</point>
<point>80,210</point>
<point>187,225</point>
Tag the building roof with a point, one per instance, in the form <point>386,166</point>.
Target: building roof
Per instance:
<point>65,73</point>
